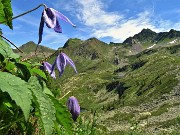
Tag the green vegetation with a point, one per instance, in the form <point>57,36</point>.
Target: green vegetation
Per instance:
<point>6,13</point>
<point>26,100</point>
<point>122,88</point>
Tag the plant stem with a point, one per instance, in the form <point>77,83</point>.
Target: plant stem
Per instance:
<point>25,13</point>
<point>12,43</point>
<point>46,58</point>
<point>64,95</point>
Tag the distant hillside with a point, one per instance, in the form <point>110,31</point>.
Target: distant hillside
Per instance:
<point>31,46</point>
<point>29,49</point>
<point>146,35</point>
<point>91,48</point>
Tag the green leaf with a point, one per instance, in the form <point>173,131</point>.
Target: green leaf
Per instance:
<point>10,67</point>
<point>34,70</point>
<point>46,90</point>
<point>63,117</point>
<point>39,72</point>
<point>18,91</point>
<point>6,50</point>
<point>24,71</point>
<point>6,12</point>
<point>46,106</point>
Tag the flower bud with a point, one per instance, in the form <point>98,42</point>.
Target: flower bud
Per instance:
<point>73,107</point>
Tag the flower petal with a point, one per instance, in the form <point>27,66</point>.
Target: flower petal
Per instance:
<point>49,17</point>
<point>41,26</point>
<point>57,28</point>
<point>53,66</point>
<point>73,107</point>
<point>48,67</point>
<point>69,61</point>
<point>61,63</point>
<point>62,17</point>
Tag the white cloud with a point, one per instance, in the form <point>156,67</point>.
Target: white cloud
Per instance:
<point>101,23</point>
<point>126,29</point>
<point>92,13</point>
<point>111,24</point>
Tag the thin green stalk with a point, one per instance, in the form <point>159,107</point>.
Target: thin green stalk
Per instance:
<point>64,95</point>
<point>46,58</point>
<point>12,43</point>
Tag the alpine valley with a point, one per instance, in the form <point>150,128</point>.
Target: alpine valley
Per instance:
<point>131,87</point>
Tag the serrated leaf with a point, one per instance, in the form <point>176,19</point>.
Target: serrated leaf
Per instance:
<point>6,50</point>
<point>63,117</point>
<point>18,91</point>
<point>39,72</point>
<point>6,12</point>
<point>46,106</point>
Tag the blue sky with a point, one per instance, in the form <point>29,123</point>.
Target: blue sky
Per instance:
<point>107,20</point>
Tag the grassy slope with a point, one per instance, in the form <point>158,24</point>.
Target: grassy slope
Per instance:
<point>148,88</point>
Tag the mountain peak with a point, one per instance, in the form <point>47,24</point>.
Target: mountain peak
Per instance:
<point>72,41</point>
<point>172,30</point>
<point>94,41</point>
<point>147,30</point>
<point>30,42</point>
<point>145,36</point>
<point>31,46</point>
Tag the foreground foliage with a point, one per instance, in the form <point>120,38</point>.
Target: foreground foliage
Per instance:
<point>26,102</point>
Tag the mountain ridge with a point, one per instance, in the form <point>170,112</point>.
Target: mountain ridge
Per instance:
<point>141,40</point>
<point>152,36</point>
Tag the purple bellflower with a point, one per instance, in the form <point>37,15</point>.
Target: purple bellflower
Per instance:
<point>73,107</point>
<point>48,67</point>
<point>50,18</point>
<point>61,61</point>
